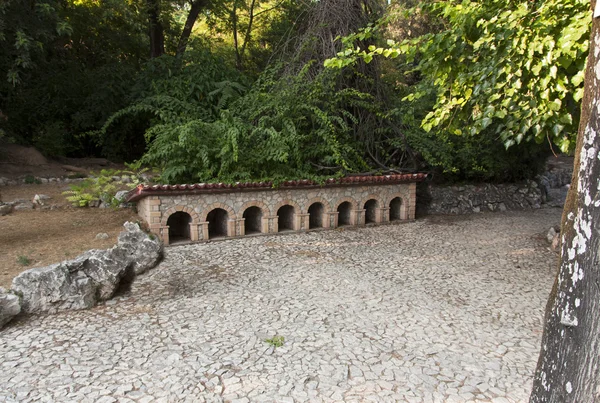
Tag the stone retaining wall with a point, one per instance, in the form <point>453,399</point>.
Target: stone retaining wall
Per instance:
<point>465,199</point>
<point>548,189</point>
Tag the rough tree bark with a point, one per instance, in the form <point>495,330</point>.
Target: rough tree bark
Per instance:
<point>569,364</point>
<point>156,31</point>
<point>196,7</point>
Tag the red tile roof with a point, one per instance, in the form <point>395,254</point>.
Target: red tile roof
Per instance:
<point>154,190</point>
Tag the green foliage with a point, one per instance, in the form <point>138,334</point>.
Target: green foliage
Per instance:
<point>31,180</point>
<point>71,66</point>
<point>102,187</point>
<point>206,126</point>
<point>275,341</point>
<point>23,260</point>
<point>515,68</point>
<point>480,158</point>
<point>25,28</point>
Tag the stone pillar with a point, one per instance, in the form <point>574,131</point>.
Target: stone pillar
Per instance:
<point>360,216</point>
<point>153,211</point>
<point>333,217</point>
<point>383,214</point>
<point>403,210</point>
<point>194,235</point>
<point>412,200</point>
<point>297,222</point>
<point>353,217</point>
<point>303,222</point>
<point>164,234</point>
<point>240,224</point>
<point>271,224</point>
<point>326,219</point>
<point>203,231</point>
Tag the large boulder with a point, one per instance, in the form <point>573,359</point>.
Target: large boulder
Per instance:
<point>10,306</point>
<point>91,277</point>
<point>106,269</point>
<point>54,288</point>
<point>144,250</point>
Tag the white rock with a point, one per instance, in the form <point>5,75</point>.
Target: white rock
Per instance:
<point>10,306</point>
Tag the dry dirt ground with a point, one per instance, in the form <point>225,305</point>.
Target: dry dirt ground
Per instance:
<point>42,237</point>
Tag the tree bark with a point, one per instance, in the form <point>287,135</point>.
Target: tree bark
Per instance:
<point>240,54</point>
<point>156,31</point>
<point>234,24</point>
<point>569,365</point>
<point>197,6</point>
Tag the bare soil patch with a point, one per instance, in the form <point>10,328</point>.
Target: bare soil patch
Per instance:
<point>56,231</point>
<point>50,236</point>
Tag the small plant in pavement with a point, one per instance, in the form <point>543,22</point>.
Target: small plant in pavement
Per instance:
<point>276,341</point>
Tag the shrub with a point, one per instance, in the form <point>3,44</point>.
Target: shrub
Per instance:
<point>102,186</point>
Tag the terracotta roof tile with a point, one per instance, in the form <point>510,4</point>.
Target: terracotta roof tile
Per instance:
<point>151,190</point>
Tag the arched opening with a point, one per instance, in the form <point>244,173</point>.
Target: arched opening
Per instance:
<point>371,211</point>
<point>217,223</point>
<point>395,209</point>
<point>253,223</point>
<point>286,218</point>
<point>315,219</point>
<point>179,227</point>
<point>344,210</point>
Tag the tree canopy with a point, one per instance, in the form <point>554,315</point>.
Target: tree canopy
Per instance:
<point>514,67</point>
<point>231,89</point>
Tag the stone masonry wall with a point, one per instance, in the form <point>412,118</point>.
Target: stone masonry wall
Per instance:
<point>144,209</point>
<point>548,189</point>
<point>465,199</point>
<point>156,209</point>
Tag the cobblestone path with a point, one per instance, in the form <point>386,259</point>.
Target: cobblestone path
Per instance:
<point>439,310</point>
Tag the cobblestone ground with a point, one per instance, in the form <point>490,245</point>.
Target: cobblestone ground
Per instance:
<point>439,310</point>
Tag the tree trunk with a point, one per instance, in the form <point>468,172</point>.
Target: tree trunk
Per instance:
<point>156,31</point>
<point>197,6</point>
<point>569,365</point>
<point>234,24</point>
<point>240,54</point>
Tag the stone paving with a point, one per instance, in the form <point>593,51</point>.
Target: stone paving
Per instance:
<point>443,309</point>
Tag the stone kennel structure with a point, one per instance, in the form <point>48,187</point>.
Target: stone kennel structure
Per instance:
<point>202,211</point>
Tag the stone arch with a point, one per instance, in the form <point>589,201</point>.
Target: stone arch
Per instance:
<point>372,205</point>
<point>345,216</point>
<point>319,216</point>
<point>287,220</point>
<point>397,213</point>
<point>175,209</point>
<point>253,221</point>
<point>255,203</point>
<point>350,200</point>
<point>372,196</point>
<point>292,203</point>
<point>179,224</point>
<point>231,214</point>
<point>325,203</point>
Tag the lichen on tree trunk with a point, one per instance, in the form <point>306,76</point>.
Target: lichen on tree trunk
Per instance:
<point>569,365</point>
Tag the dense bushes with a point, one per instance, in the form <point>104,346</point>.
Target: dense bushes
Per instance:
<point>206,125</point>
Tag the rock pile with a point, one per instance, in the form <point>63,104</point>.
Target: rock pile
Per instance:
<point>37,180</point>
<point>84,281</point>
<point>39,201</point>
